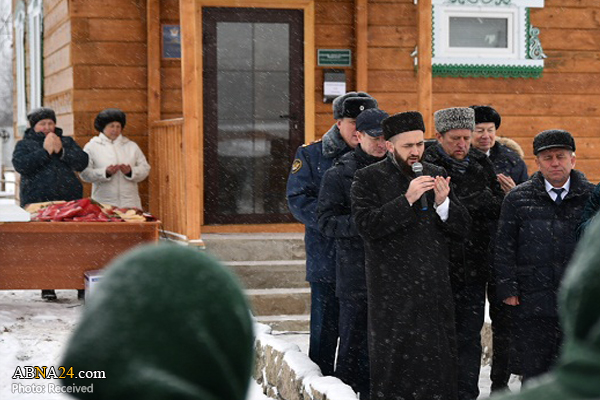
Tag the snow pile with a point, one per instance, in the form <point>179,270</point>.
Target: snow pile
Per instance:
<point>284,370</point>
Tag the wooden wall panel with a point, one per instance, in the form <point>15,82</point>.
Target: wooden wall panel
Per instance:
<point>58,82</point>
<point>170,82</point>
<point>131,9</point>
<point>55,17</point>
<point>57,39</point>
<point>109,60</point>
<point>110,77</point>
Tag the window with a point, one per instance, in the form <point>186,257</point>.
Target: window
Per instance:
<point>35,33</point>
<point>19,22</point>
<point>485,38</point>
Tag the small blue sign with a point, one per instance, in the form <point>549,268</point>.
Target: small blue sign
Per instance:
<point>171,41</point>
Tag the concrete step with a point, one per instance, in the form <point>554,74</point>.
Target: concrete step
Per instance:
<point>270,274</point>
<point>279,301</point>
<point>255,246</point>
<point>287,323</point>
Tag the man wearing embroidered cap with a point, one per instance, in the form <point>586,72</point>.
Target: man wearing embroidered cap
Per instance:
<point>536,238</point>
<point>303,186</point>
<point>335,221</point>
<point>476,187</point>
<point>412,345</point>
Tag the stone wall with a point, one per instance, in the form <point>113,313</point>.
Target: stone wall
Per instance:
<point>286,373</point>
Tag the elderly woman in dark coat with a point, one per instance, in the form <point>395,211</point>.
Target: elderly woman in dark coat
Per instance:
<point>47,162</point>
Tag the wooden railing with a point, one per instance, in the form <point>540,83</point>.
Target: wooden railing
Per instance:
<point>167,177</point>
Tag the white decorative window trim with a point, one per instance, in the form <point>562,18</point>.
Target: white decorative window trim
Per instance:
<point>523,57</point>
<point>35,33</point>
<point>19,25</point>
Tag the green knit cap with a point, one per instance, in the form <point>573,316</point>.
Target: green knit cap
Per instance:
<point>167,322</point>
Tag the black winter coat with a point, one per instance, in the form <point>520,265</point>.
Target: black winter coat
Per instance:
<point>335,220</point>
<point>536,238</point>
<point>590,211</point>
<point>412,341</point>
<point>479,192</point>
<point>509,163</point>
<point>47,177</point>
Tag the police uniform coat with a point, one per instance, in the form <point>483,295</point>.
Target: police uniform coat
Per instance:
<point>412,341</point>
<point>536,239</point>
<point>303,187</point>
<point>46,177</point>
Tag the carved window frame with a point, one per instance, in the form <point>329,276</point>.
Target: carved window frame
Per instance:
<point>19,25</point>
<point>35,18</point>
<point>525,58</point>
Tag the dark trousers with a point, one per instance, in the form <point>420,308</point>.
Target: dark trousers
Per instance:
<point>352,365</point>
<point>500,314</point>
<point>324,317</point>
<point>541,339</point>
<point>469,310</point>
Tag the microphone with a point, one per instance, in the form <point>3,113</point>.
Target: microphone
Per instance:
<point>418,170</point>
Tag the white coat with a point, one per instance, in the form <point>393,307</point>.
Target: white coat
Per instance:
<point>117,190</point>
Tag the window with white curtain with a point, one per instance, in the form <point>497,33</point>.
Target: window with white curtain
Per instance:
<point>35,33</point>
<point>485,38</point>
<point>19,24</point>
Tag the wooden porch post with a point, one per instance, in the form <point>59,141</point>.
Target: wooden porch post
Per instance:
<point>424,80</point>
<point>153,32</point>
<point>362,37</point>
<point>193,152</point>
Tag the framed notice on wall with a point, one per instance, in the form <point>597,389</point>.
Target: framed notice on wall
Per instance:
<point>171,41</point>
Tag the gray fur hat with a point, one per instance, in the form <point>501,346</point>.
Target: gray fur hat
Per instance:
<point>338,103</point>
<point>454,118</point>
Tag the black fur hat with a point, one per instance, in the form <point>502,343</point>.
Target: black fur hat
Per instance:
<point>553,138</point>
<point>39,114</point>
<point>486,114</point>
<point>338,103</point>
<point>107,116</point>
<point>402,122</point>
<point>355,105</point>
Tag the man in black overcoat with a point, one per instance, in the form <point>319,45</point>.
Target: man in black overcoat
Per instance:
<point>476,187</point>
<point>406,221</point>
<point>510,171</point>
<point>535,242</point>
<point>335,220</point>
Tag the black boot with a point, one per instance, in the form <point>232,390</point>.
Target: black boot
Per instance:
<point>49,294</point>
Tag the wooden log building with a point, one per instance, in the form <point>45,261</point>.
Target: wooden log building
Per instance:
<point>219,93</point>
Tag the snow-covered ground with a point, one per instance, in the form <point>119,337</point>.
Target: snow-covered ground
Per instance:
<point>33,332</point>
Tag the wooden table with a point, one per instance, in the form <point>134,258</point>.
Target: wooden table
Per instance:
<point>55,255</point>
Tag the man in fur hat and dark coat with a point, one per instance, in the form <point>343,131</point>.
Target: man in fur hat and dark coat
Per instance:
<point>476,187</point>
<point>47,162</point>
<point>510,171</point>
<point>406,219</point>
<point>535,241</point>
<point>509,165</point>
<point>304,183</point>
<point>336,221</point>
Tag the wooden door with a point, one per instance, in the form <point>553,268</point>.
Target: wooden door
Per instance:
<point>253,111</point>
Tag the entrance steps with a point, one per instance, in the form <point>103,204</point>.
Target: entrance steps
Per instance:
<point>272,268</point>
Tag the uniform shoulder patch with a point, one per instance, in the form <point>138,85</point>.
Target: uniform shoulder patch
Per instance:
<point>311,143</point>
<point>296,165</point>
